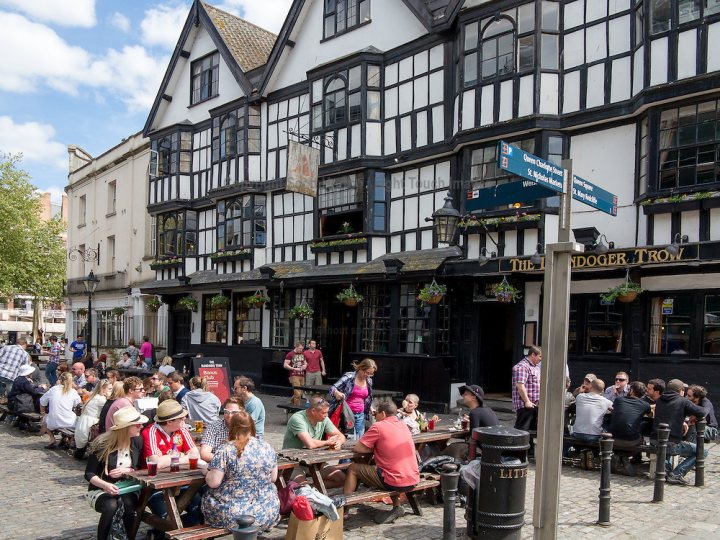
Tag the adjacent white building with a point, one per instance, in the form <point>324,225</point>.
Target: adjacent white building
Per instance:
<point>407,100</point>
<point>110,233</point>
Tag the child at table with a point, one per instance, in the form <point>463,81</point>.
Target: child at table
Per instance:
<point>410,415</point>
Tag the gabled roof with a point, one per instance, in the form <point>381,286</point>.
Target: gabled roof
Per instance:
<point>435,15</point>
<point>249,44</point>
<point>242,45</point>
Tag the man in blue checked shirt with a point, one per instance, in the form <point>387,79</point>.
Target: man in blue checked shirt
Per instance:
<point>11,358</point>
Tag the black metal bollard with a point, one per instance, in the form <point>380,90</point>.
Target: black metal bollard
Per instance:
<point>449,478</point>
<point>245,529</point>
<point>700,453</point>
<point>663,434</point>
<point>606,446</point>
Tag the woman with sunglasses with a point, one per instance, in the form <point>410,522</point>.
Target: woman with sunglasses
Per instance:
<point>134,389</point>
<point>112,455</point>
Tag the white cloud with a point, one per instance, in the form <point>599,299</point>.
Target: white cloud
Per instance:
<point>34,140</point>
<point>162,25</point>
<point>132,74</point>
<point>56,193</point>
<point>60,12</point>
<point>120,21</point>
<point>268,14</point>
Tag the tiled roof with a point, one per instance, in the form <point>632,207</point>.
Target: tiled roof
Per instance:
<point>250,45</point>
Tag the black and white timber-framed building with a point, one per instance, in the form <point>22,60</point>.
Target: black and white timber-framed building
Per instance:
<point>407,100</point>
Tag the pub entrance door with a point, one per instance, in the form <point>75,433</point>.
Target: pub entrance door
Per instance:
<point>336,330</point>
<point>496,325</point>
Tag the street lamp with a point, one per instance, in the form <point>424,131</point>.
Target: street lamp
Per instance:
<point>445,221</point>
<point>90,283</point>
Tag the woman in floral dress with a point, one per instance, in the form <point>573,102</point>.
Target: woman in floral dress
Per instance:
<point>241,479</point>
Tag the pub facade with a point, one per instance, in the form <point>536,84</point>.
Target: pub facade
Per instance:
<point>407,101</point>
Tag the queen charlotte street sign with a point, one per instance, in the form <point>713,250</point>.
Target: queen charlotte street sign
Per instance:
<point>517,161</point>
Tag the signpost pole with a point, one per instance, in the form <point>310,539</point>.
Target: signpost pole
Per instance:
<point>556,301</point>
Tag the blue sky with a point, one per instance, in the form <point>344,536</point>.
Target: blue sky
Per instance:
<point>85,72</point>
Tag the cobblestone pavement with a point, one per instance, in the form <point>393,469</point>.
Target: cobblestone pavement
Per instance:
<point>43,497</point>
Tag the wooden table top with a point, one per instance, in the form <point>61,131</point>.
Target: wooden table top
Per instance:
<point>166,479</point>
<point>440,434</point>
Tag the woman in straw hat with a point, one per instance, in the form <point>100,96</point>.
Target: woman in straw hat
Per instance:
<point>241,477</point>
<point>113,454</point>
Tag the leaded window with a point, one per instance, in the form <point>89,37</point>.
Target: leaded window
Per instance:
<point>711,326</point>
<point>375,321</point>
<point>337,100</point>
<point>414,322</point>
<point>484,170</point>
<point>689,146</point>
<point>177,234</point>
<point>248,319</point>
<point>110,329</point>
<point>204,78</point>
<point>242,222</point>
<point>173,153</point>
<point>236,133</point>
<point>214,322</point>
<point>343,15</point>
<point>671,330</point>
<point>668,14</point>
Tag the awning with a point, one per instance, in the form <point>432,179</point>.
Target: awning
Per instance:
<point>307,272</point>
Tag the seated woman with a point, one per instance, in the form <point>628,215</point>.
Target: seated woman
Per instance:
<point>199,403</point>
<point>24,395</point>
<point>90,416</point>
<point>125,362</point>
<point>166,367</point>
<point>112,455</point>
<point>410,415</point>
<point>241,479</point>
<point>118,391</point>
<point>62,400</point>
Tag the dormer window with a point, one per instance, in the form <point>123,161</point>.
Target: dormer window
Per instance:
<point>344,15</point>
<point>205,74</point>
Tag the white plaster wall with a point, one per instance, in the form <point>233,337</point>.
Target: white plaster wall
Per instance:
<point>392,24</point>
<point>713,47</point>
<point>607,159</point>
<point>658,61</point>
<point>690,225</point>
<point>199,44</point>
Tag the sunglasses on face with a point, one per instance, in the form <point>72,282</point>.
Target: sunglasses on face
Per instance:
<point>620,379</point>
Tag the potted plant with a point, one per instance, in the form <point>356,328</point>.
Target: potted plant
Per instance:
<point>505,292</point>
<point>220,301</point>
<point>432,293</point>
<point>257,299</point>
<point>345,228</point>
<point>626,292</point>
<point>117,311</point>
<point>188,303</point>
<point>303,311</point>
<point>350,297</point>
<point>82,312</point>
<point>153,303</point>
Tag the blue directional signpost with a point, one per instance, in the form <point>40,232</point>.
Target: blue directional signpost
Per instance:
<point>592,195</point>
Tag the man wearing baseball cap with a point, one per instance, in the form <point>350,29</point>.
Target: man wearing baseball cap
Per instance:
<point>584,388</point>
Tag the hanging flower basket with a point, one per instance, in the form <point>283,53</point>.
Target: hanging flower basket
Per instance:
<point>625,292</point>
<point>118,311</point>
<point>303,311</point>
<point>505,292</point>
<point>188,303</point>
<point>256,300</point>
<point>350,297</point>
<point>153,304</point>
<point>82,312</point>
<point>432,293</point>
<point>220,302</point>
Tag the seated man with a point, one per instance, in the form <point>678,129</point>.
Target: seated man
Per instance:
<point>216,434</point>
<point>629,416</point>
<point>306,428</point>
<point>698,395</point>
<point>590,411</point>
<point>480,416</point>
<point>395,468</point>
<point>671,409</point>
<point>244,388</point>
<point>584,388</point>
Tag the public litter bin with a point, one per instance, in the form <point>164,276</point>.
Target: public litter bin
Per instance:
<point>499,499</point>
<point>183,363</point>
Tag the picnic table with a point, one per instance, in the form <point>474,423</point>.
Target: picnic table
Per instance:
<point>325,388</point>
<point>169,483</point>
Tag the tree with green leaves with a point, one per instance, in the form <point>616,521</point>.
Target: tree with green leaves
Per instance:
<point>32,253</point>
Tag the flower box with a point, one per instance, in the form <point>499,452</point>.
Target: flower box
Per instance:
<point>161,264</point>
<point>343,244</point>
<point>501,223</point>
<point>234,255</point>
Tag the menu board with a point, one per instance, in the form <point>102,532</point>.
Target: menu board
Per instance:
<point>217,374</point>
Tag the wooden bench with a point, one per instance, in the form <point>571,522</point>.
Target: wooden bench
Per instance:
<point>67,437</point>
<point>427,481</point>
<point>196,532</point>
<point>290,409</point>
<point>30,417</point>
<point>626,451</point>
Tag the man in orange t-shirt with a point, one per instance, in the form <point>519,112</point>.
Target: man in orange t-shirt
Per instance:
<point>395,468</point>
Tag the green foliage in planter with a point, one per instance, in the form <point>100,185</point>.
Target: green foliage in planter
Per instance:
<point>506,292</point>
<point>431,291</point>
<point>118,311</point>
<point>230,253</point>
<point>257,299</point>
<point>188,303</point>
<point>626,287</point>
<point>219,301</point>
<point>153,303</point>
<point>82,312</point>
<point>349,294</point>
<point>303,311</point>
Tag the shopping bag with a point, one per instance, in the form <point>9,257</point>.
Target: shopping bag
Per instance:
<point>317,529</point>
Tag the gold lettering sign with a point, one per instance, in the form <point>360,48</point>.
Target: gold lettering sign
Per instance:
<point>513,473</point>
<point>604,260</point>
